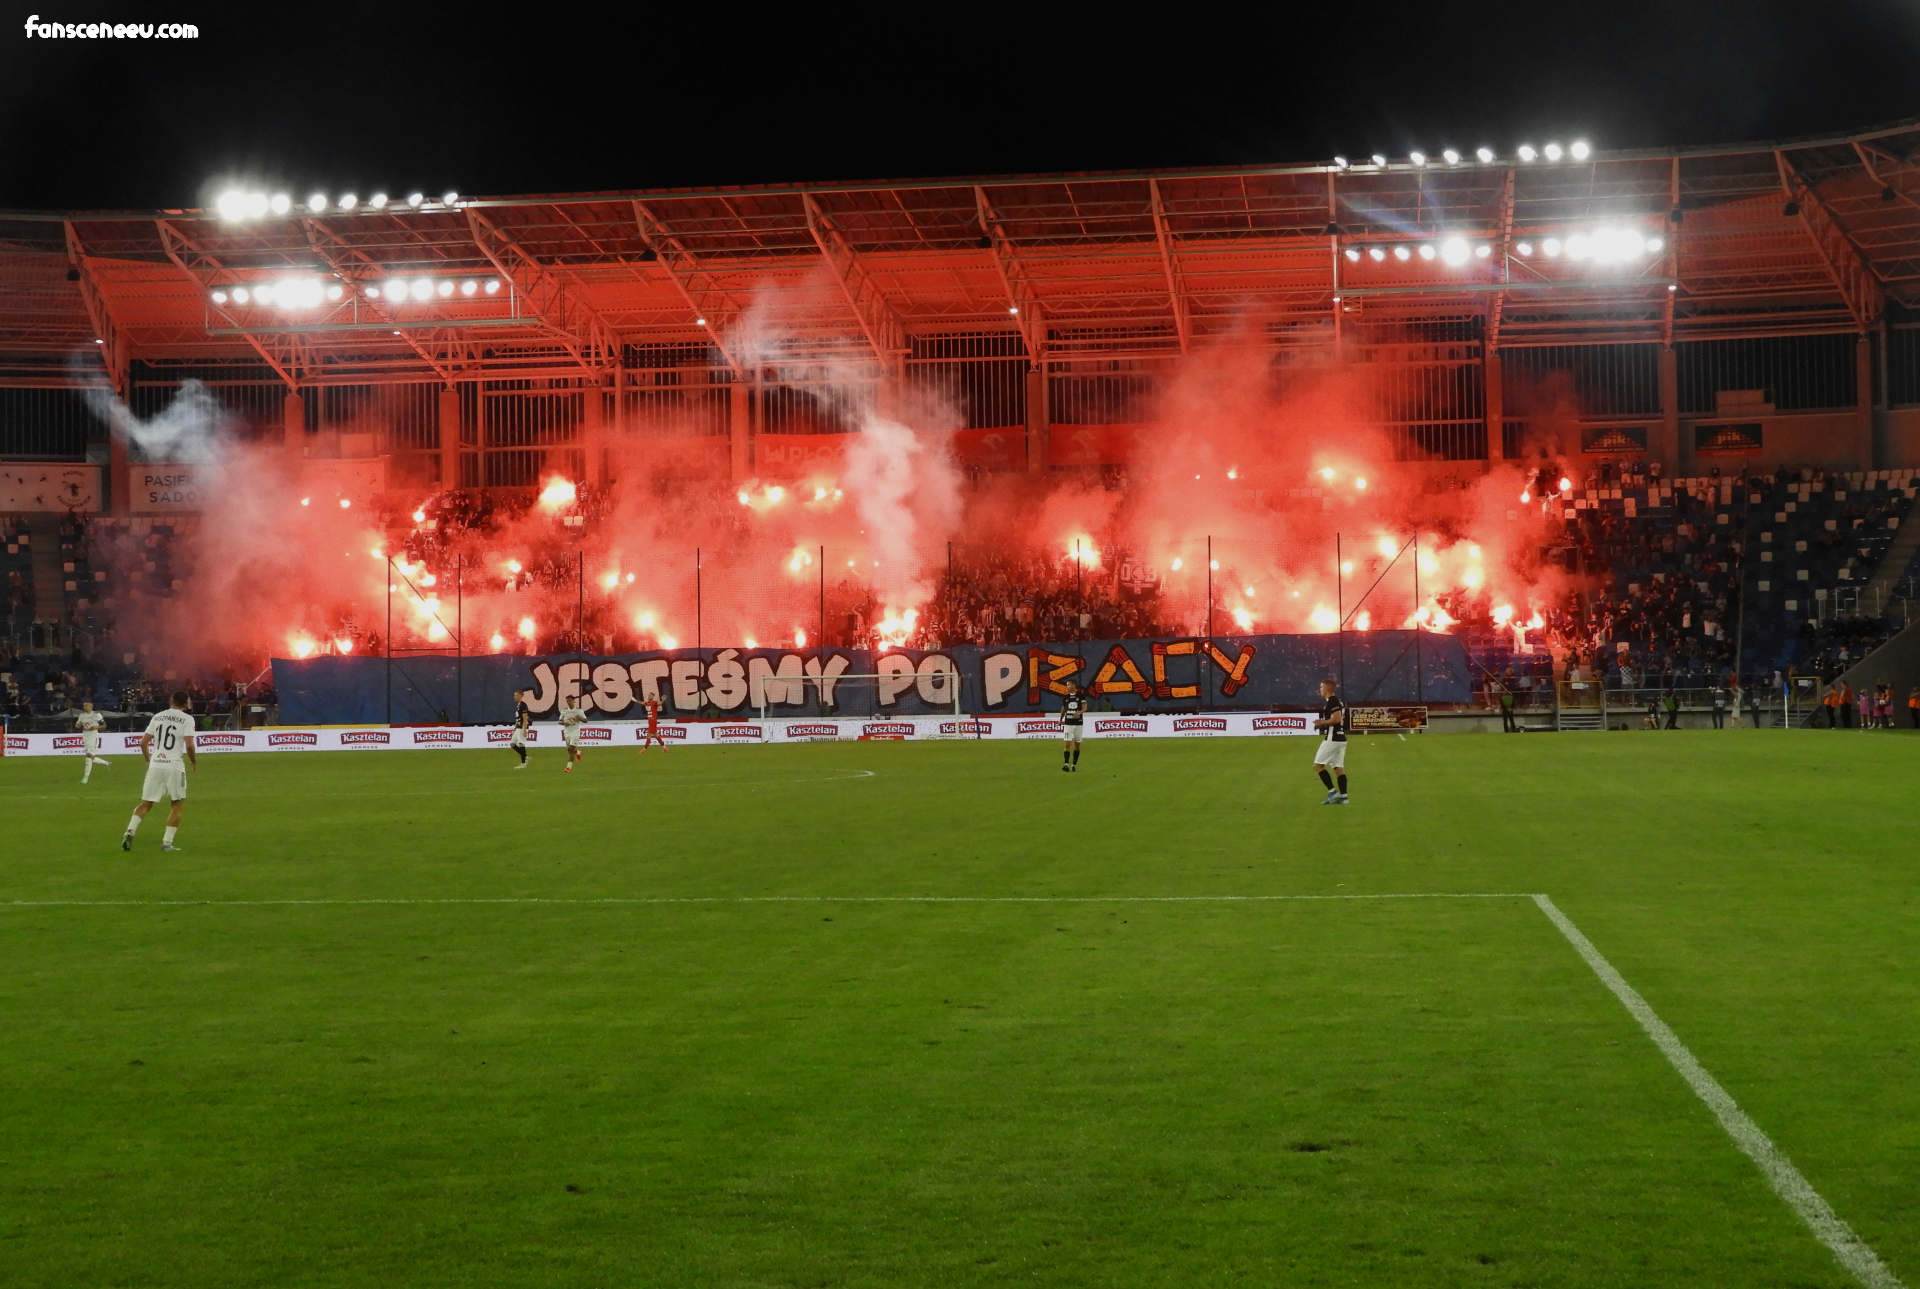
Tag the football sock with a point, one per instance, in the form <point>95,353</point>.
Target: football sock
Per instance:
<point>166,838</point>
<point>1327,779</point>
<point>1066,755</point>
<point>133,825</point>
<point>523,754</point>
<point>1343,785</point>
<point>1076,756</point>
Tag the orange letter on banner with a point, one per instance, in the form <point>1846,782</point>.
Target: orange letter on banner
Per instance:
<point>1161,652</point>
<point>1118,661</point>
<point>1236,671</point>
<point>1061,667</point>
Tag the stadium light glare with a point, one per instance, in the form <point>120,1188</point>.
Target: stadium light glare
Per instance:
<point>396,289</point>
<point>1579,246</point>
<point>469,288</point>
<point>1451,156</point>
<point>1427,252</point>
<point>1672,287</point>
<point>1353,253</point>
<point>1526,152</point>
<point>280,204</point>
<point>445,288</point>
<point>1656,243</point>
<point>1402,253</point>
<point>449,198</point>
<point>495,286</point>
<point>698,322</point>
<point>1013,309</point>
<point>1376,254</point>
<point>1551,248</point>
<point>335,291</point>
<point>378,201</point>
<point>1523,249</point>
<point>232,205</point>
<point>348,201</point>
<point>1554,152</point>
<point>1454,251</point>
<point>1485,155</point>
<point>263,293</point>
<point>414,199</point>
<point>422,289</point>
<point>1418,158</point>
<point>1482,251</point>
<point>257,204</point>
<point>1379,160</point>
<point>1580,150</point>
<point>1340,163</point>
<point>373,293</point>
<point>240,295</point>
<point>219,297</point>
<point>317,202</point>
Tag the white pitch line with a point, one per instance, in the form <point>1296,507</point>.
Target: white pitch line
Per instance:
<point>763,899</point>
<point>1849,1249</point>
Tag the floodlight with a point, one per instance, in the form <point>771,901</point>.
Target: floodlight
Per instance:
<point>493,286</point>
<point>378,201</point>
<point>1426,252</point>
<point>263,293</point>
<point>1526,152</point>
<point>1656,244</point>
<point>256,204</point>
<point>1579,247</point>
<point>422,288</point>
<point>348,201</point>
<point>281,203</point>
<point>1340,163</point>
<point>232,205</point>
<point>1353,253</point>
<point>1452,156</point>
<point>447,199</point>
<point>1482,251</point>
<point>1485,155</point>
<point>219,297</point>
<point>1011,309</point>
<point>240,295</point>
<point>1379,160</point>
<point>1551,247</point>
<point>414,199</point>
<point>1553,152</point>
<point>317,202</point>
<point>1418,158</point>
<point>1401,253</point>
<point>445,288</point>
<point>373,293</point>
<point>1376,254</point>
<point>699,322</point>
<point>468,288</point>
<point>397,289</point>
<point>1524,249</point>
<point>1454,250</point>
<point>1581,150</point>
<point>335,291</point>
<point>1672,287</point>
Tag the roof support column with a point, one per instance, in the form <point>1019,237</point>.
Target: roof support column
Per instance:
<point>740,411</point>
<point>1037,417</point>
<point>1496,405</point>
<point>293,427</point>
<point>593,436</point>
<point>449,439</point>
<point>1863,454</point>
<point>1666,448</point>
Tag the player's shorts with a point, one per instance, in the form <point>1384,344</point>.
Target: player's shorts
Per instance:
<point>91,742</point>
<point>165,779</point>
<point>518,740</point>
<point>571,739</point>
<point>1071,733</point>
<point>1331,754</point>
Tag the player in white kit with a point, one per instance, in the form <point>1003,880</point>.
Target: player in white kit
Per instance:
<point>90,723</point>
<point>571,718</point>
<point>168,748</point>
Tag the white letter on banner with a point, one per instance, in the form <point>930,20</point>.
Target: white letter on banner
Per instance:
<point>611,692</point>
<point>826,676</point>
<point>896,674</point>
<point>727,680</point>
<point>787,685</point>
<point>686,684</point>
<point>1003,673</point>
<point>648,676</point>
<point>571,675</point>
<point>935,681</point>
<point>546,693</point>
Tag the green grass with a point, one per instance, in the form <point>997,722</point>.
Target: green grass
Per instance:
<point>830,1091</point>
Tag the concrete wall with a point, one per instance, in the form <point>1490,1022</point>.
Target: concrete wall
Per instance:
<point>1896,437</point>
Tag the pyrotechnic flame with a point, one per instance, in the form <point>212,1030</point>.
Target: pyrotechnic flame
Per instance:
<point>752,643</point>
<point>1566,485</point>
<point>1327,473</point>
<point>526,628</point>
<point>345,503</point>
<point>1360,484</point>
<point>1388,547</point>
<point>1243,619</point>
<point>1363,621</point>
<point>799,638</point>
<point>1502,614</point>
<point>1470,579</point>
<point>558,492</point>
<point>1084,550</point>
<point>612,580</point>
<point>644,621</point>
<point>1323,619</point>
<point>774,494</point>
<point>1526,497</point>
<point>668,642</point>
<point>419,516</point>
<point>343,646</point>
<point>305,500</point>
<point>302,647</point>
<point>1536,622</point>
<point>498,642</point>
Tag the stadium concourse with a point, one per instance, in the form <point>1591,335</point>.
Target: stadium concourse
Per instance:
<point>1647,422</point>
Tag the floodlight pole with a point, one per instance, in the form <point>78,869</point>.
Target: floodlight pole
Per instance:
<point>820,641</point>
<point>459,639</point>
<point>389,640</point>
<point>699,641</point>
<point>1340,607</point>
<point>1419,673</point>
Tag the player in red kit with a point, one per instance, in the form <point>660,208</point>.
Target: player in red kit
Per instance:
<point>653,734</point>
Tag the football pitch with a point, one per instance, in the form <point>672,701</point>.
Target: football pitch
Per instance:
<point>894,1014</point>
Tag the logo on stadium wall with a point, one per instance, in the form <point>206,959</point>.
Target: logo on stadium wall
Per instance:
<point>365,738</point>
<point>208,741</point>
<point>1037,729</point>
<point>293,738</point>
<point>1120,725</point>
<point>16,744</point>
<point>1199,725</point>
<point>733,733</point>
<point>596,734</point>
<point>972,729</point>
<point>506,736</point>
<point>888,729</point>
<point>455,737</point>
<point>130,741</point>
<point>1300,724</point>
<point>813,731</point>
<point>66,742</point>
<point>663,732</point>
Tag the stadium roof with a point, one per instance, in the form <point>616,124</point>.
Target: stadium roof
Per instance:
<point>1794,237</point>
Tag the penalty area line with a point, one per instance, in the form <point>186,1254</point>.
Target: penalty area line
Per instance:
<point>1848,1249</point>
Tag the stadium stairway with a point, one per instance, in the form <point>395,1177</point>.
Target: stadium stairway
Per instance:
<point>49,581</point>
<point>1894,566</point>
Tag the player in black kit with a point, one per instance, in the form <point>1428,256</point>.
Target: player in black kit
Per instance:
<point>521,716</point>
<point>1331,759</point>
<point>1073,715</point>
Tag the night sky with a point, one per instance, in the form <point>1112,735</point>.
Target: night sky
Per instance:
<point>570,97</point>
